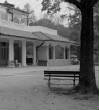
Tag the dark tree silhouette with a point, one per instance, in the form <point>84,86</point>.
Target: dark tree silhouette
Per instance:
<point>87,81</point>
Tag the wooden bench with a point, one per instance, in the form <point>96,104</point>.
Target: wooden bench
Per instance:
<point>72,75</point>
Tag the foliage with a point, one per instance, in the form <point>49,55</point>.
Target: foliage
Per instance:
<point>55,7</point>
<point>63,31</point>
<point>75,20</point>
<point>31,16</point>
<point>27,7</point>
<point>52,6</point>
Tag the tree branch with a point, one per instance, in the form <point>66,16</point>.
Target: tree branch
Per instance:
<point>75,2</point>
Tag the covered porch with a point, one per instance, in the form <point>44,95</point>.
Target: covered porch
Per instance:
<point>23,52</point>
<point>33,47</point>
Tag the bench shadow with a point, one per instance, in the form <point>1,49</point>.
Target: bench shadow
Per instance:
<point>61,89</point>
<point>75,95</point>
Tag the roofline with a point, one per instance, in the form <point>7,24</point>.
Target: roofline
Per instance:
<point>64,42</point>
<point>15,9</point>
<point>21,10</point>
<point>41,33</point>
<point>57,40</point>
<point>19,36</point>
<point>38,39</point>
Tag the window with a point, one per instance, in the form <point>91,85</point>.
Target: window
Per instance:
<point>23,20</point>
<point>10,16</point>
<point>4,16</point>
<point>3,13</point>
<point>16,20</point>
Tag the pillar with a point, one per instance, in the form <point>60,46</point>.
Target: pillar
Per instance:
<point>11,53</point>
<point>34,54</point>
<point>47,54</point>
<point>24,53</point>
<point>64,53</point>
<point>54,57</point>
<point>69,52</point>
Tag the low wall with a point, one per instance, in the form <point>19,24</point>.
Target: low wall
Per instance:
<point>58,62</point>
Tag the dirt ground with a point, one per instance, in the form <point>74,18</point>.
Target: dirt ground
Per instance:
<point>29,91</point>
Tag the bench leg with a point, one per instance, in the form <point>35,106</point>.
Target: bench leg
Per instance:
<point>74,81</point>
<point>49,82</point>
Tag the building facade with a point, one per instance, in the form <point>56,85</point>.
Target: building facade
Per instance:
<point>9,13</point>
<point>22,45</point>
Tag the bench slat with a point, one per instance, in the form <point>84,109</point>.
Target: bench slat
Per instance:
<point>74,75</point>
<point>60,78</point>
<point>55,75</point>
<point>61,72</point>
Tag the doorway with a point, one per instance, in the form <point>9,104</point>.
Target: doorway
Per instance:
<point>18,51</point>
<point>29,53</point>
<point>4,52</point>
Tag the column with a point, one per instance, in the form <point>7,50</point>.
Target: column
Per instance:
<point>69,52</point>
<point>47,49</point>
<point>64,53</point>
<point>34,54</point>
<point>54,53</point>
<point>11,52</point>
<point>24,53</point>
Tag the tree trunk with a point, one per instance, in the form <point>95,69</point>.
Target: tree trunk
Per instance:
<point>87,72</point>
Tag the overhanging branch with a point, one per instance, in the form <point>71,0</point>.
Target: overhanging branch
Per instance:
<point>75,2</point>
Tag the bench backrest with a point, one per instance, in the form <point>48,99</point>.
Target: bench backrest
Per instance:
<point>61,73</point>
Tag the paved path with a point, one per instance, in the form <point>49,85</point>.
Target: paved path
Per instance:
<point>26,90</point>
<point>9,71</point>
<point>4,72</point>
